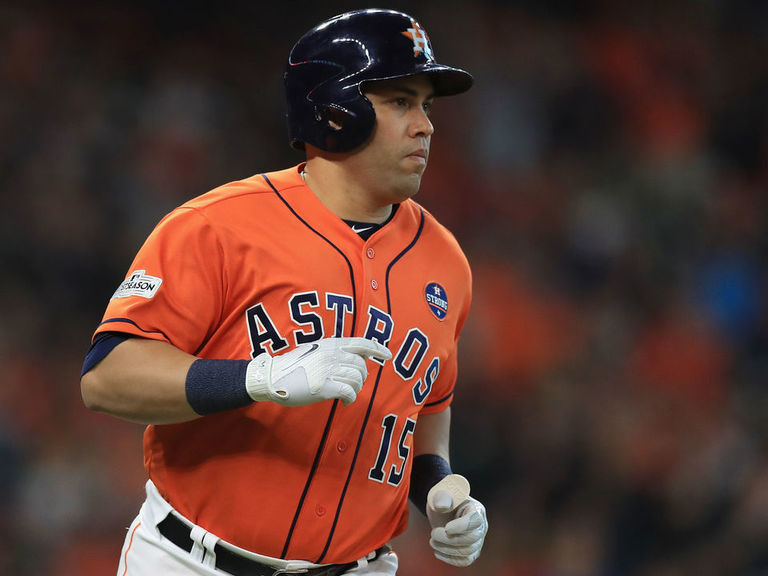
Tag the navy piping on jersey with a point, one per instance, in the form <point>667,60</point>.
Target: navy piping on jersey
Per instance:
<point>440,401</point>
<point>373,396</point>
<point>326,431</point>
<point>315,464</point>
<point>129,321</point>
<point>407,249</point>
<point>331,244</point>
<point>351,468</point>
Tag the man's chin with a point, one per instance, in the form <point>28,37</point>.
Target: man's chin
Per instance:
<point>410,187</point>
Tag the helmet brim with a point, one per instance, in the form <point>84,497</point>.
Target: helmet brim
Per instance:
<point>448,81</point>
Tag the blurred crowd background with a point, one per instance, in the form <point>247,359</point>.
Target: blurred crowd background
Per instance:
<point>607,178</point>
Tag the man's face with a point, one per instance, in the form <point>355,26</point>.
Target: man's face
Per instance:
<point>395,157</point>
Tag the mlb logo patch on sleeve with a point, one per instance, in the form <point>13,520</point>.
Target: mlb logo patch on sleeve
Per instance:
<point>139,283</point>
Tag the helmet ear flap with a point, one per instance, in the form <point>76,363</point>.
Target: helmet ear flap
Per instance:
<point>341,128</point>
<point>332,118</point>
<point>329,126</point>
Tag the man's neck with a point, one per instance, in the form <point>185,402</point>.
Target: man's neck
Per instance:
<point>342,194</point>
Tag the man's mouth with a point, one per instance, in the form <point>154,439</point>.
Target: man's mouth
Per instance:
<point>419,155</point>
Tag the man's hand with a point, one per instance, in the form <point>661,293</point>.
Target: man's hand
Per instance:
<point>323,370</point>
<point>458,521</point>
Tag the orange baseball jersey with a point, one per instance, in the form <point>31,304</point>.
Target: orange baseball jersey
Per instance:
<point>262,265</point>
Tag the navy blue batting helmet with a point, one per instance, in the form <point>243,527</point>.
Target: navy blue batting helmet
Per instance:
<point>329,64</point>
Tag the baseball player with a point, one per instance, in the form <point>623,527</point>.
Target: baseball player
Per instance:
<point>290,339</point>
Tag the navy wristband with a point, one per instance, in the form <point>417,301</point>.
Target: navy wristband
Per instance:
<point>427,470</point>
<point>217,385</point>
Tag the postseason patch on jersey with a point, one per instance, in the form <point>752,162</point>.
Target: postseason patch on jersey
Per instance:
<point>437,299</point>
<point>139,283</point>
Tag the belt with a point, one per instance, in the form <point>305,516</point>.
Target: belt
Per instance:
<point>179,533</point>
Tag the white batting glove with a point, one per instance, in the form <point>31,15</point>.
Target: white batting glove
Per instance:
<point>323,370</point>
<point>459,523</point>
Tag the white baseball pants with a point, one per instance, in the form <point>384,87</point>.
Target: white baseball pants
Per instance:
<point>147,553</point>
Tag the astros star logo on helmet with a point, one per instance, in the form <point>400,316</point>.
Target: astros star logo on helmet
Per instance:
<point>420,40</point>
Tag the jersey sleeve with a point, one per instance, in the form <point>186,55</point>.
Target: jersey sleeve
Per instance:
<point>175,286</point>
<point>441,396</point>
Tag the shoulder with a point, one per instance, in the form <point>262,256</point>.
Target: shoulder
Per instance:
<point>440,253</point>
<point>257,188</point>
<point>439,237</point>
<point>234,203</point>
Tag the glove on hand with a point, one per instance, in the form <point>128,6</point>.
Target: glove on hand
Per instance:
<point>459,523</point>
<point>326,369</point>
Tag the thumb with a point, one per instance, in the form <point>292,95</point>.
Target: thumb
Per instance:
<point>346,394</point>
<point>442,501</point>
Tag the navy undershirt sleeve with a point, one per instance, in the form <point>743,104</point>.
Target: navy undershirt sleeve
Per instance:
<point>104,343</point>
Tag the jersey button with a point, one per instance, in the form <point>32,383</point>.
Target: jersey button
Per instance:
<point>341,446</point>
<point>370,253</point>
<point>374,285</point>
<point>320,510</point>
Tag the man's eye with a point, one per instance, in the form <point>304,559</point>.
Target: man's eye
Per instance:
<point>427,108</point>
